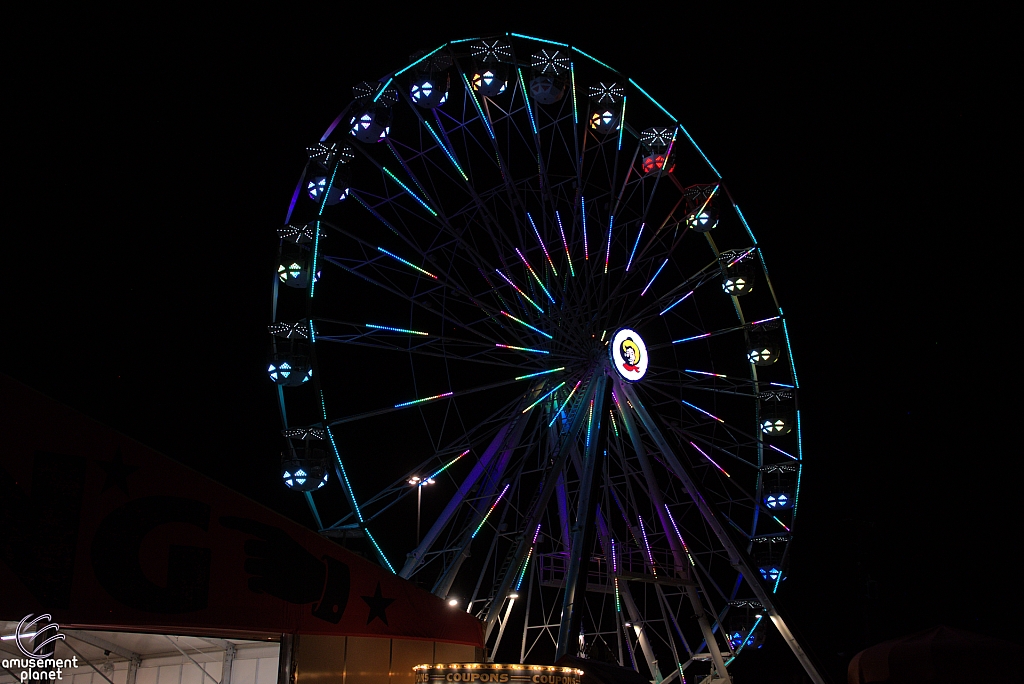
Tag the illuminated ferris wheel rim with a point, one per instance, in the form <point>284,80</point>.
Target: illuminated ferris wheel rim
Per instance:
<point>581,356</point>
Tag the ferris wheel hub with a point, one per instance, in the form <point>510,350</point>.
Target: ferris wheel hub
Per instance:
<point>628,354</point>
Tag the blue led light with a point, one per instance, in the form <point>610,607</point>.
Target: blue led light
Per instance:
<point>572,81</point>
<point>674,303</point>
<point>635,244</point>
<point>381,91</point>
<point>400,330</point>
<point>399,73</point>
<point>526,101</point>
<point>655,276</point>
<point>692,142</point>
<point>622,118</point>
<point>533,375</point>
<point>341,466</point>
<point>744,220</point>
<point>444,148</point>
<point>792,366</point>
<point>539,40</point>
<point>543,398</point>
<point>380,552</point>
<point>595,59</point>
<point>583,214</point>
<point>479,109</point>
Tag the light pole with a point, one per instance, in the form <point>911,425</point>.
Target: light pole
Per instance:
<point>418,482</point>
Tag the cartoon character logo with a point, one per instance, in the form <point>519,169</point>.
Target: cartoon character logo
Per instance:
<point>630,354</point>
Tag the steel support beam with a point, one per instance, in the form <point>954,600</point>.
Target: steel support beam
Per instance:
<point>737,558</point>
<point>627,600</point>
<point>100,642</point>
<point>415,559</point>
<point>229,660</point>
<point>202,669</point>
<point>654,490</point>
<point>525,538</point>
<point>487,491</point>
<point>582,531</point>
<point>285,660</point>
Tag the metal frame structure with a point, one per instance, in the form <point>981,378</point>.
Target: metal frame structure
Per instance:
<point>495,242</point>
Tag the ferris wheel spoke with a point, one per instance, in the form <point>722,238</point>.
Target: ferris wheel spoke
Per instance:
<point>556,464</point>
<point>443,221</point>
<point>428,470</point>
<point>736,556</point>
<point>416,301</point>
<point>414,402</point>
<point>486,214</point>
<point>440,348</point>
<point>491,467</point>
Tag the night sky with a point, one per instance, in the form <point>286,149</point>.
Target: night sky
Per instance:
<point>154,156</point>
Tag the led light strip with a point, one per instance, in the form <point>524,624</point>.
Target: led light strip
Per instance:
<point>480,110</point>
<point>622,122</point>
<point>710,459</point>
<point>562,407</point>
<point>688,339</point>
<point>529,349</point>
<point>401,330</point>
<point>650,556</point>
<point>399,73</point>
<point>741,256</point>
<point>451,156</point>
<point>608,252</point>
<point>702,411</point>
<point>516,288</point>
<point>407,263</point>
<point>420,401</point>
<point>493,506</point>
<point>445,467</point>
<point>572,80</point>
<point>537,330</point>
<point>542,246</point>
<point>526,101</point>
<point>533,375</point>
<point>630,262</point>
<point>407,190</point>
<point>583,213</point>
<point>717,375</point>
<point>572,271</point>
<point>656,273</point>
<point>534,274</point>
<point>673,304</point>
<point>543,398</point>
<point>590,422</point>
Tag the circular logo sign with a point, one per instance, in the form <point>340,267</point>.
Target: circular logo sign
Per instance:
<point>629,354</point>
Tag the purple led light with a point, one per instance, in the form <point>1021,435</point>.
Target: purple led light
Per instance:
<point>710,459</point>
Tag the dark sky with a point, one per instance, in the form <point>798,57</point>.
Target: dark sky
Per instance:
<point>153,155</point>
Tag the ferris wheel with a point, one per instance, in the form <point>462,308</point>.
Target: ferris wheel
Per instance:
<point>509,277</point>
